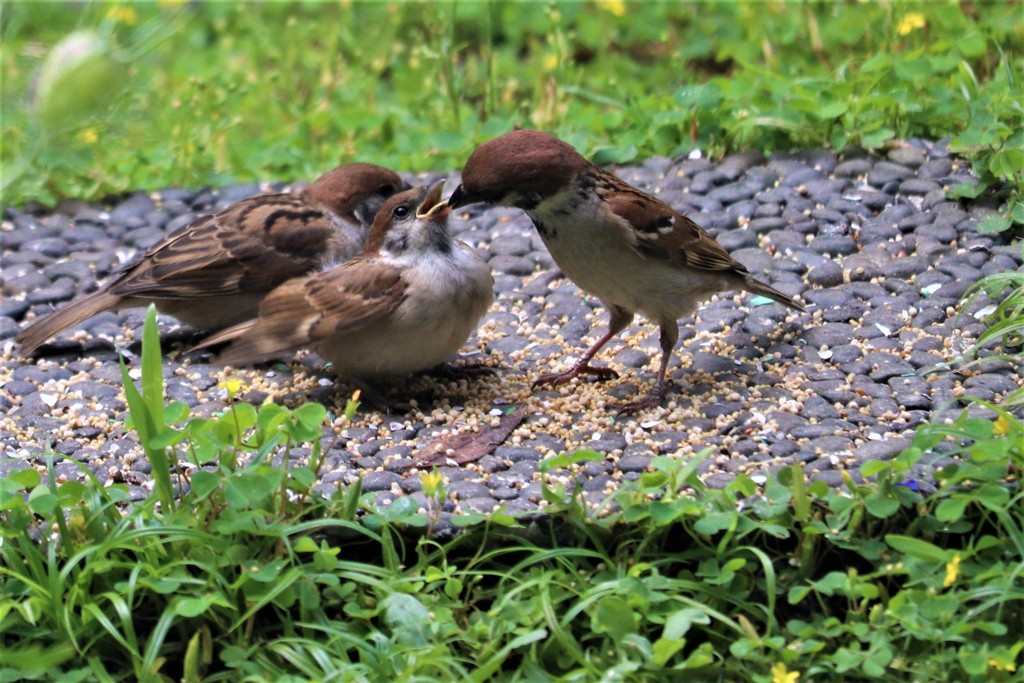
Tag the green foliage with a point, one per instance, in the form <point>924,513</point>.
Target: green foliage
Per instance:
<point>251,572</point>
<point>1005,318</point>
<point>216,92</point>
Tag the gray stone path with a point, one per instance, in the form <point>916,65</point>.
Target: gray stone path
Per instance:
<point>871,244</point>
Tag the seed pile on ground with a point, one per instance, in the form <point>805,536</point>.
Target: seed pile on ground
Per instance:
<point>871,244</point>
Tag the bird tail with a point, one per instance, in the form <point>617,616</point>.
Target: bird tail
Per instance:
<point>757,287</point>
<point>33,336</point>
<point>236,353</point>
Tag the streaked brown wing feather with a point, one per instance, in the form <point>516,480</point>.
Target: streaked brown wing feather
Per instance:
<point>309,309</point>
<point>664,233</point>
<point>252,246</point>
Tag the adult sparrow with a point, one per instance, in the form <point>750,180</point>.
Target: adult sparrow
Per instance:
<point>213,272</point>
<point>632,251</point>
<point>408,303</point>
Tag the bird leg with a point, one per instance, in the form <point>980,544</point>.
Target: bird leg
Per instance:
<point>466,371</point>
<point>373,398</point>
<point>653,398</point>
<point>620,318</point>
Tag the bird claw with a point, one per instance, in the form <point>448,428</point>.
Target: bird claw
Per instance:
<point>463,371</point>
<point>558,378</point>
<point>371,397</point>
<point>652,399</point>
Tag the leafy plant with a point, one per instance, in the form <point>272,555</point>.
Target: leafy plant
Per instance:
<point>305,87</point>
<point>255,572</point>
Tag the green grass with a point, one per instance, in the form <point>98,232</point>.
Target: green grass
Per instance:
<point>248,572</point>
<point>208,93</point>
<point>245,570</point>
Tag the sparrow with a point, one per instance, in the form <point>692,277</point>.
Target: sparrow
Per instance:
<point>213,272</point>
<point>407,303</point>
<point>631,250</point>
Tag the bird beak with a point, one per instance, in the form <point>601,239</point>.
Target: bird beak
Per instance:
<point>461,198</point>
<point>431,207</point>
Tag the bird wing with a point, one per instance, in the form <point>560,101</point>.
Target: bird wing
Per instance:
<point>305,310</point>
<point>252,246</point>
<point>662,232</point>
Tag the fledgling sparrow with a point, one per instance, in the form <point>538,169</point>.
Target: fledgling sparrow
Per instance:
<point>631,250</point>
<point>213,272</point>
<point>408,303</point>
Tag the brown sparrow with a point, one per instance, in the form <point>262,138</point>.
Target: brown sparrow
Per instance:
<point>214,272</point>
<point>408,303</point>
<point>631,250</point>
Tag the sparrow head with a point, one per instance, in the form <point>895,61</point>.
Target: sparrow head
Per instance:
<point>355,192</point>
<point>411,222</point>
<point>520,169</point>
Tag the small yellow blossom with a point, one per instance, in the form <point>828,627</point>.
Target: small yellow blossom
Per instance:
<point>123,14</point>
<point>430,482</point>
<point>550,62</point>
<point>1002,664</point>
<point>88,136</point>
<point>616,7</point>
<point>780,674</point>
<point>952,571</point>
<point>1003,425</point>
<point>233,386</point>
<point>911,21</point>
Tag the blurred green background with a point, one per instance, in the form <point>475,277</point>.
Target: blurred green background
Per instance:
<point>149,95</point>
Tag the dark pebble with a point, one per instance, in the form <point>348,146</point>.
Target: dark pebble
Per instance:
<point>53,247</point>
<point>884,449</point>
<point>380,481</point>
<point>634,463</point>
<point>853,168</point>
<point>8,327</point>
<point>712,364</point>
<point>463,490</point>
<point>512,265</point>
<point>826,275</point>
<point>833,244</point>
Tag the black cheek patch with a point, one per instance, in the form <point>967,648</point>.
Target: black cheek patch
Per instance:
<point>396,244</point>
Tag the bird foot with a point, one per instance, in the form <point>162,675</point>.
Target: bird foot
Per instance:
<point>558,378</point>
<point>373,398</point>
<point>462,371</point>
<point>653,399</point>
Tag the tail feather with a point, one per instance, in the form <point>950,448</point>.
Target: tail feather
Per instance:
<point>757,287</point>
<point>38,332</point>
<point>240,349</point>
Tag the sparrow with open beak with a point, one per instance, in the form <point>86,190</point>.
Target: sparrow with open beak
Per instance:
<point>408,303</point>
<point>213,272</point>
<point>628,248</point>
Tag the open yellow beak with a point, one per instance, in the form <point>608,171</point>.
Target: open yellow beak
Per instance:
<point>431,207</point>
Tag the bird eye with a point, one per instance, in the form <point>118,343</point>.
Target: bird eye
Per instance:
<point>401,211</point>
<point>386,190</point>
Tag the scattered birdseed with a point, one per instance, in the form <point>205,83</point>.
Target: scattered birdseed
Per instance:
<point>880,265</point>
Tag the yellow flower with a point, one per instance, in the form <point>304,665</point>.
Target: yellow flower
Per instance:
<point>550,62</point>
<point>616,7</point>
<point>911,21</point>
<point>952,571</point>
<point>88,136</point>
<point>780,674</point>
<point>232,385</point>
<point>431,483</point>
<point>1003,664</point>
<point>123,14</point>
<point>1003,425</point>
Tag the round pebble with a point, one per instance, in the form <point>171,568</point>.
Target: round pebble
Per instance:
<point>872,246</point>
